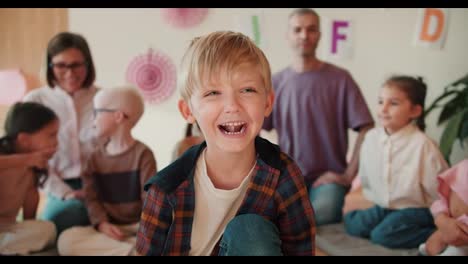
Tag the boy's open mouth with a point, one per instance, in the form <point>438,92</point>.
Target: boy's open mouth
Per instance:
<point>233,128</point>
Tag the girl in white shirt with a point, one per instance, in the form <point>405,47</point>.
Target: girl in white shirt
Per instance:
<point>70,76</point>
<point>398,168</point>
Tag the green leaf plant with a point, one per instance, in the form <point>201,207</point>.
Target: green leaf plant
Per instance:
<point>454,115</point>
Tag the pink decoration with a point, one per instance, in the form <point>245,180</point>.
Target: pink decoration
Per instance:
<point>184,17</point>
<point>13,86</point>
<point>154,74</point>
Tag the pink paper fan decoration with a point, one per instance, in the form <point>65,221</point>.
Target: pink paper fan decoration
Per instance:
<point>13,85</point>
<point>184,17</point>
<point>154,74</point>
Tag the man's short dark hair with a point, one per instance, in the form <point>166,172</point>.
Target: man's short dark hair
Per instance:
<point>304,11</point>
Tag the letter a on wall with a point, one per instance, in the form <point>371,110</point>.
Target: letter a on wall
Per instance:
<point>339,39</point>
<point>431,28</point>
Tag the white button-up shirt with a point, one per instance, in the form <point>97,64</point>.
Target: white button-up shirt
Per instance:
<point>75,136</point>
<point>400,171</point>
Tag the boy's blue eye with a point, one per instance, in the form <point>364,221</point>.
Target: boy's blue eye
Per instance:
<point>249,90</point>
<point>211,93</point>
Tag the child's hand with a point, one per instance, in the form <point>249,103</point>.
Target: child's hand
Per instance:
<point>77,194</point>
<point>111,230</point>
<point>331,177</point>
<point>39,159</point>
<point>454,232</point>
<point>435,244</point>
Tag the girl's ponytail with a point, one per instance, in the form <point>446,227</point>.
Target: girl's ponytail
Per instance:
<point>421,90</point>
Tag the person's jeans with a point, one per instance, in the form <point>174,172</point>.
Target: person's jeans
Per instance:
<point>404,228</point>
<point>327,201</point>
<point>66,213</point>
<point>250,235</point>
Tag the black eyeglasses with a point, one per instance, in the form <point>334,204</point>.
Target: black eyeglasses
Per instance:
<point>63,67</point>
<point>99,110</point>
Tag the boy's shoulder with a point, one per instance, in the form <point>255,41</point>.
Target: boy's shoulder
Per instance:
<point>273,158</point>
<point>142,147</point>
<point>169,178</point>
<point>132,156</point>
<point>271,154</point>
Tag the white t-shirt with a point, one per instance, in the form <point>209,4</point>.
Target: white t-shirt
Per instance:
<point>214,208</point>
<point>399,171</point>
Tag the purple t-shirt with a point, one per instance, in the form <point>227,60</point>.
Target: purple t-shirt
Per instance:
<point>312,113</point>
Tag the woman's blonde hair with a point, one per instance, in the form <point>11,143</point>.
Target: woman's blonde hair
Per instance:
<point>221,50</point>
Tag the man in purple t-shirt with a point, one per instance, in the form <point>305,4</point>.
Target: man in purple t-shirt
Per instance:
<point>316,103</point>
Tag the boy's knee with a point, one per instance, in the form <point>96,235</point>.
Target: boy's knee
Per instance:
<point>251,235</point>
<point>246,225</point>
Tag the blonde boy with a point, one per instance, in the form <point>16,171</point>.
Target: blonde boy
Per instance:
<point>235,194</point>
<point>114,179</point>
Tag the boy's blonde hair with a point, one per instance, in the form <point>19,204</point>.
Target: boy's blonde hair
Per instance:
<point>124,98</point>
<point>218,51</point>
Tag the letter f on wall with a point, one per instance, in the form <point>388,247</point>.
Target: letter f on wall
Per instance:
<point>336,35</point>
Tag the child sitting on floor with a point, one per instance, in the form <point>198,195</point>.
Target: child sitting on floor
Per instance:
<point>236,193</point>
<point>30,128</point>
<point>398,168</point>
<point>114,179</point>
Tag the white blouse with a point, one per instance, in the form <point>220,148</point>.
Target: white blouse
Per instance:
<point>400,170</point>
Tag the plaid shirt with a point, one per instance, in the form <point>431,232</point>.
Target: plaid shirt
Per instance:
<point>276,192</point>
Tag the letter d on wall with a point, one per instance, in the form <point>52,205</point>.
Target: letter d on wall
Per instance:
<point>431,29</point>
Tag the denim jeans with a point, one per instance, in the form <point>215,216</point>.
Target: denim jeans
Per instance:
<point>250,235</point>
<point>404,228</point>
<point>66,213</point>
<point>328,201</point>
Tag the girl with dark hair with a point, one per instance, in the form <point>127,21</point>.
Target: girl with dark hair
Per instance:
<point>70,91</point>
<point>30,128</point>
<point>398,166</point>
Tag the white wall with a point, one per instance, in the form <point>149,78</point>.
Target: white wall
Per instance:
<point>383,38</point>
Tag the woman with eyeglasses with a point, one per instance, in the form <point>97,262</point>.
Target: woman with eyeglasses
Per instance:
<point>69,92</point>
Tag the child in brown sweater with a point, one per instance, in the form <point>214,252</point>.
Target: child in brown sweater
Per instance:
<point>114,179</point>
